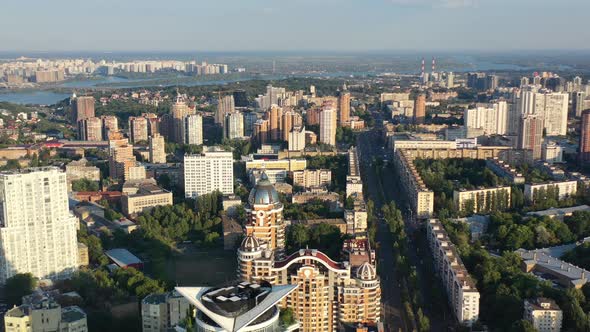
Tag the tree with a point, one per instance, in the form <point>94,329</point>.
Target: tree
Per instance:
<point>297,236</point>
<point>287,317</point>
<point>84,185</point>
<point>17,286</point>
<point>523,326</point>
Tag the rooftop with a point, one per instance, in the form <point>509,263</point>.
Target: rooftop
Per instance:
<point>72,314</point>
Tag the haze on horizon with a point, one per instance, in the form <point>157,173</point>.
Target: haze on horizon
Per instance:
<point>295,25</point>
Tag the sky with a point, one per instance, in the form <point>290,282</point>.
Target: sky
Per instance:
<point>292,25</point>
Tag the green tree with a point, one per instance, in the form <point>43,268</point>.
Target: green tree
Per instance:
<point>17,286</point>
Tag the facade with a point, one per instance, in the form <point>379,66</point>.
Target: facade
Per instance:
<point>82,108</point>
<point>531,135</point>
<point>492,119</point>
<point>504,170</point>
<point>421,198</point>
<point>420,109</point>
<point>225,105</point>
<point>144,196</point>
<point>157,149</point>
<point>265,216</point>
<point>544,314</point>
<point>312,178</point>
<point>296,139</point>
<point>356,217</point>
<point>482,200</point>
<point>77,170</point>
<point>462,294</point>
<point>328,126</point>
<point>551,106</point>
<point>562,189</point>
<point>178,111</point>
<point>160,312</point>
<point>289,165</point>
<point>584,156</point>
<point>90,129</point>
<point>45,314</point>
<point>234,125</point>
<point>354,183</point>
<point>212,170</point>
<point>329,293</point>
<point>110,124</point>
<point>343,107</point>
<point>138,129</point>
<point>243,307</point>
<point>38,232</point>
<point>192,129</point>
<point>551,152</point>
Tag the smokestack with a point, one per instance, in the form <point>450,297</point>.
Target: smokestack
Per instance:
<point>433,64</point>
<point>423,68</point>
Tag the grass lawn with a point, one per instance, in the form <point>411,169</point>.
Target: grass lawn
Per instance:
<point>197,267</point>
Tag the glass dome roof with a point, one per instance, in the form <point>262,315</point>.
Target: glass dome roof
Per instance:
<point>264,193</point>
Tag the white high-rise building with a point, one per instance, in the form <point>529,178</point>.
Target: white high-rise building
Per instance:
<point>234,125</point>
<point>328,126</point>
<point>37,230</point>
<point>493,118</point>
<point>192,129</point>
<point>296,139</point>
<point>551,106</point>
<point>204,173</point>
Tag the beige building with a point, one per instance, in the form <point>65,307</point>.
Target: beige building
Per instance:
<point>544,314</point>
<point>42,313</point>
<point>296,138</point>
<point>421,198</point>
<point>143,196</point>
<point>90,129</point>
<point>356,217</point>
<point>462,294</point>
<point>83,258</point>
<point>563,189</point>
<point>312,178</point>
<point>160,312</point>
<point>78,169</point>
<point>290,165</point>
<point>483,200</point>
<point>138,129</point>
<point>328,126</point>
<point>157,149</point>
<point>354,184</point>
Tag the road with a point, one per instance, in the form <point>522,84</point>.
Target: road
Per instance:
<point>382,190</point>
<point>394,318</point>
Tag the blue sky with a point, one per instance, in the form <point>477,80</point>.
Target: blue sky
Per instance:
<point>286,25</point>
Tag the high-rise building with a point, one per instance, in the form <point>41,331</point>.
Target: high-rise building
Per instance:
<point>551,106</point>
<point>82,108</point>
<point>584,156</point>
<point>328,126</point>
<point>110,124</point>
<point>312,116</point>
<point>261,131</point>
<point>531,135</point>
<point>250,119</point>
<point>138,129</point>
<point>122,163</point>
<point>179,111</point>
<point>343,107</point>
<point>90,129</point>
<point>157,149</point>
<point>450,80</point>
<point>420,109</point>
<point>579,103</point>
<point>240,98</point>
<point>37,232</point>
<point>492,118</point>
<point>207,172</point>
<point>225,105</point>
<point>275,115</point>
<point>192,129</point>
<point>153,123</point>
<point>234,125</point>
<point>296,139</point>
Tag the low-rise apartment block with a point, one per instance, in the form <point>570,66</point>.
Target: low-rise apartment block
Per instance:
<point>421,198</point>
<point>160,312</point>
<point>504,170</point>
<point>561,189</point>
<point>544,314</point>
<point>462,294</point>
<point>482,200</point>
<point>312,178</point>
<point>143,196</point>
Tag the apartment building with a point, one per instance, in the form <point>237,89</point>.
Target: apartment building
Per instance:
<point>312,178</point>
<point>482,199</point>
<point>209,171</point>
<point>462,294</point>
<point>544,314</point>
<point>561,189</point>
<point>142,196</point>
<point>161,312</point>
<point>421,198</point>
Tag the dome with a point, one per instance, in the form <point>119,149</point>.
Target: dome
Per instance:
<point>250,243</point>
<point>366,272</point>
<point>264,193</point>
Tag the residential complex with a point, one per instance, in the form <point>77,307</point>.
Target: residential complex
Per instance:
<point>37,232</point>
<point>420,197</point>
<point>207,172</point>
<point>482,199</point>
<point>560,189</point>
<point>460,288</point>
<point>312,178</point>
<point>40,312</point>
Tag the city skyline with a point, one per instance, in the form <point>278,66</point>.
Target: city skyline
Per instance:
<point>272,25</point>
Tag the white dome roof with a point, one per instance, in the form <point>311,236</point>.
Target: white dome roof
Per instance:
<point>366,272</point>
<point>250,243</point>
